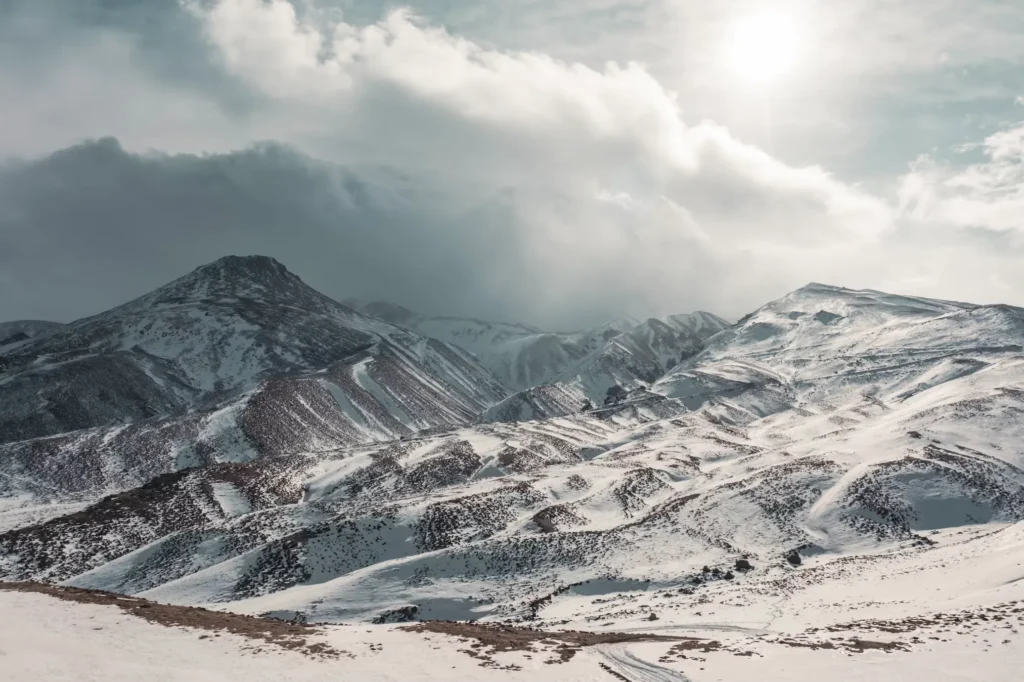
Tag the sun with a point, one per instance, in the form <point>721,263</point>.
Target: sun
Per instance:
<point>763,48</point>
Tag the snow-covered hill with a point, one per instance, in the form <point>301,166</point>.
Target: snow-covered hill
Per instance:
<point>627,361</point>
<point>519,355</point>
<point>76,636</point>
<point>556,374</point>
<point>842,472</point>
<point>839,459</point>
<point>235,361</point>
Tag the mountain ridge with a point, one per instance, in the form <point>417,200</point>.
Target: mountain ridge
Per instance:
<point>837,455</point>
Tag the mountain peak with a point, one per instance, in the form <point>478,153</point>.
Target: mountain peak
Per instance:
<point>245,267</point>
<point>237,277</point>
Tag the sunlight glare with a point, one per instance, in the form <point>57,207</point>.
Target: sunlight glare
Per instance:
<point>764,47</point>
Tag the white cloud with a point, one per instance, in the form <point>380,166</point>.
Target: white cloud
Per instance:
<point>476,180</point>
<point>987,195</point>
<point>614,122</point>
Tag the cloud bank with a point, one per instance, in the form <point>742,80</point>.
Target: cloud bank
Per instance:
<point>411,164</point>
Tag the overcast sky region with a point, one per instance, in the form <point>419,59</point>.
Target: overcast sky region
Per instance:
<point>553,162</point>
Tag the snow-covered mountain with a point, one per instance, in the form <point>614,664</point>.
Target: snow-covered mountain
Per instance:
<point>237,360</point>
<point>519,355</point>
<point>555,374</point>
<point>18,332</point>
<point>627,361</point>
<point>838,462</point>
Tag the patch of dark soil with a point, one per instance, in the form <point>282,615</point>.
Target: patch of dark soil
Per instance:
<point>292,636</point>
<point>694,644</point>
<point>498,638</point>
<point>854,645</point>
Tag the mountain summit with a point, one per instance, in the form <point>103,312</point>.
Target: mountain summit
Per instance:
<point>240,278</point>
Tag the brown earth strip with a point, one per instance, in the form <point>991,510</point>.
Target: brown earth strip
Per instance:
<point>502,638</point>
<point>280,633</point>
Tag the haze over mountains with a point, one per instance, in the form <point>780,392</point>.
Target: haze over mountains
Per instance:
<point>836,459</point>
<point>553,373</point>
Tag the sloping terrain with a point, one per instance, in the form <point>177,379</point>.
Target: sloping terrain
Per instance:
<point>18,332</point>
<point>556,373</point>
<point>840,472</point>
<point>235,361</point>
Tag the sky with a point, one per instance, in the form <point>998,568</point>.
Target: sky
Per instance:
<point>550,162</point>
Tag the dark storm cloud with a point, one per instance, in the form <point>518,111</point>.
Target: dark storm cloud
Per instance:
<point>89,227</point>
<point>407,164</point>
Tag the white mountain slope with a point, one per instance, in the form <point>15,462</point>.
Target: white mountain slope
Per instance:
<point>847,481</point>
<point>520,355</point>
<point>628,361</point>
<point>557,373</point>
<point>237,360</point>
<point>88,635</point>
<point>591,360</point>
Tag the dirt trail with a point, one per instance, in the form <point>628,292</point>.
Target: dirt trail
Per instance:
<point>623,664</point>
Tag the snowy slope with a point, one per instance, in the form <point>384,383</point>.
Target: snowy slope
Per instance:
<point>631,360</point>
<point>235,361</point>
<point>558,373</point>
<point>49,638</point>
<point>840,467</point>
<point>524,357</point>
<point>211,335</point>
<point>519,355</point>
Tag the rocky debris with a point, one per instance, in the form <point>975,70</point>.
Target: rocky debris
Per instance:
<point>794,558</point>
<point>452,522</point>
<point>854,645</point>
<point>403,614</point>
<point>743,565</point>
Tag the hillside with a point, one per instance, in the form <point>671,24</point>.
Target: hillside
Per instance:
<point>236,361</point>
<point>555,374</point>
<point>839,459</point>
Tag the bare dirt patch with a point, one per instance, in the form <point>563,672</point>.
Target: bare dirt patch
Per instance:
<point>854,645</point>
<point>498,638</point>
<point>279,633</point>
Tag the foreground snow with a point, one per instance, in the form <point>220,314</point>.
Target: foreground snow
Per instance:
<point>43,638</point>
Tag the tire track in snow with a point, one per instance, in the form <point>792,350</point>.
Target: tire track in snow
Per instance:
<point>623,664</point>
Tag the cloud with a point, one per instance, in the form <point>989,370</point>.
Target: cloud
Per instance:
<point>616,125</point>
<point>411,164</point>
<point>988,195</point>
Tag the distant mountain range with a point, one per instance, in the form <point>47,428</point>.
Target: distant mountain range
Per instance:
<point>552,374</point>
<point>237,439</point>
<point>241,360</point>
